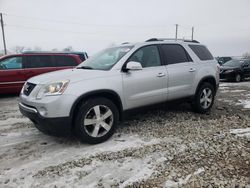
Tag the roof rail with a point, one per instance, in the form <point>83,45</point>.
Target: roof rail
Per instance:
<point>125,43</point>
<point>162,39</point>
<point>152,39</point>
<point>194,41</point>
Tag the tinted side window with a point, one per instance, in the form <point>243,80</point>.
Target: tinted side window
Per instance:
<point>174,53</point>
<point>148,56</point>
<point>11,63</point>
<point>202,52</point>
<point>36,61</point>
<point>62,61</point>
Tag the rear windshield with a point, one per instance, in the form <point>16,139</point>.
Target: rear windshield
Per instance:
<point>202,52</point>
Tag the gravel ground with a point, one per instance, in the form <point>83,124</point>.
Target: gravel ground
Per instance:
<point>167,146</point>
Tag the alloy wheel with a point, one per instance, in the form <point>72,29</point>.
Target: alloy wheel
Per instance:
<point>98,121</point>
<point>206,98</point>
<point>238,78</point>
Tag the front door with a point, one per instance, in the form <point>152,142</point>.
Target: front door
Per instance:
<point>146,86</point>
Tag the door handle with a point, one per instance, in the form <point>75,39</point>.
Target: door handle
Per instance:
<point>161,74</point>
<point>192,69</point>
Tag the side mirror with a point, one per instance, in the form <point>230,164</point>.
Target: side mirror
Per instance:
<point>133,65</point>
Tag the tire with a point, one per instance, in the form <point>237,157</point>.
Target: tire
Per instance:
<point>238,78</point>
<point>92,128</point>
<point>199,103</point>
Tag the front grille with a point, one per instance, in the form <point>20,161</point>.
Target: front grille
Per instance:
<point>28,88</point>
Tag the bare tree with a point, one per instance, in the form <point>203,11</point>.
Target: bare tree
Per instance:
<point>54,50</point>
<point>37,48</point>
<point>18,49</point>
<point>111,45</point>
<point>246,55</point>
<point>68,49</point>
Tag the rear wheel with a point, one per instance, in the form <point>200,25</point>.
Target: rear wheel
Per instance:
<point>204,98</point>
<point>96,120</point>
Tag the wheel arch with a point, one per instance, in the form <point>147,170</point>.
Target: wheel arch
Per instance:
<point>208,79</point>
<point>106,93</point>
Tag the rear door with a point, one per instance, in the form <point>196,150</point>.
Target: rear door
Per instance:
<point>38,64</point>
<point>181,70</point>
<point>12,75</point>
<point>65,61</point>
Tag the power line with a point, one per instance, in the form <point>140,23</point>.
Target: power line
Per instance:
<point>79,22</point>
<point>52,30</point>
<point>87,24</point>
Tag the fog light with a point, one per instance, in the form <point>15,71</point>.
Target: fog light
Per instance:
<point>43,111</point>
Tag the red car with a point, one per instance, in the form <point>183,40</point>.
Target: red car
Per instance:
<point>16,69</point>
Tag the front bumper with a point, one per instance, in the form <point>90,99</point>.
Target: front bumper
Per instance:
<point>53,126</point>
<point>228,76</point>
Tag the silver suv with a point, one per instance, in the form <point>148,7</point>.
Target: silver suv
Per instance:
<point>90,99</point>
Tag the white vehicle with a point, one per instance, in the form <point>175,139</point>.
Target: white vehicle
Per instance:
<point>90,99</point>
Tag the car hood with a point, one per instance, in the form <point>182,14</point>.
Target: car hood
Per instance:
<point>74,75</point>
<point>228,68</point>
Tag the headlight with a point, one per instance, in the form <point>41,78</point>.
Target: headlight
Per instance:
<point>228,71</point>
<point>56,88</point>
<point>23,87</point>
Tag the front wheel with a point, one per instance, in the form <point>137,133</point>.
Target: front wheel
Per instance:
<point>204,98</point>
<point>238,78</point>
<point>96,120</point>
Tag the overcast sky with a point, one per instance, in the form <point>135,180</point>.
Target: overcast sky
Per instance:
<point>90,25</point>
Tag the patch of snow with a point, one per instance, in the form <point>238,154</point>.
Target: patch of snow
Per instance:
<point>181,182</point>
<point>225,91</point>
<point>223,87</point>
<point>11,121</point>
<point>172,184</point>
<point>245,103</point>
<point>134,169</point>
<point>228,84</point>
<point>145,172</point>
<point>241,132</point>
<point>200,170</point>
<point>237,90</point>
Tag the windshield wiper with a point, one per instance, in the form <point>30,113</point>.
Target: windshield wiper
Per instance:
<point>84,67</point>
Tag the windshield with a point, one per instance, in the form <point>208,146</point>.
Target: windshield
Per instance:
<point>233,63</point>
<point>105,59</point>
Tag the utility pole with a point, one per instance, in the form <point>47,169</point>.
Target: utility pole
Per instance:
<point>4,43</point>
<point>192,36</point>
<point>176,31</point>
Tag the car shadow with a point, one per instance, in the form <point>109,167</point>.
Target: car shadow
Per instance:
<point>2,96</point>
<point>177,106</point>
